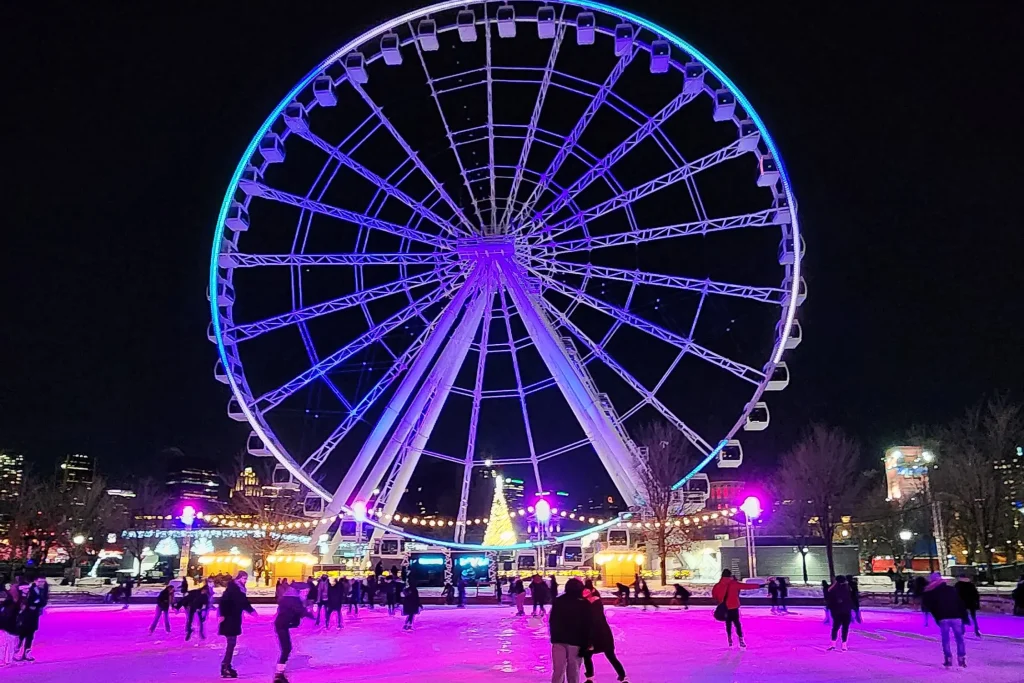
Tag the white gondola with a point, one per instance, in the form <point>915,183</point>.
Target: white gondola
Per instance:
<point>623,38</point>
<point>426,33</point>
<point>507,21</point>
<point>355,67</point>
<point>693,77</point>
<point>282,478</point>
<point>323,91</point>
<point>546,22</point>
<point>237,219</point>
<point>248,183</point>
<point>750,136</point>
<point>783,215</point>
<point>725,104</point>
<point>221,374</point>
<point>295,118</point>
<point>226,257</point>
<point>661,55</point>
<point>801,291</point>
<point>466,22</point>
<point>235,410</point>
<point>313,506</point>
<point>585,28</point>
<point>255,447</point>
<point>695,493</point>
<point>225,293</point>
<point>796,334</point>
<point>210,333</point>
<point>272,148</point>
<point>571,555</point>
<point>779,379</point>
<point>390,48</point>
<point>768,171</point>
<point>758,418</point>
<point>731,455</point>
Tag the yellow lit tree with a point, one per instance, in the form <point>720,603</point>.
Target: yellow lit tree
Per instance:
<point>499,524</point>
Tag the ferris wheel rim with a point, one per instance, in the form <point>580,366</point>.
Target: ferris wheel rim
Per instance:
<point>258,424</point>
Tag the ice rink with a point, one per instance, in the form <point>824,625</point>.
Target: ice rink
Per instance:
<point>108,645</point>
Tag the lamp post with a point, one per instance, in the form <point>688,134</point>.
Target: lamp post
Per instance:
<point>905,536</point>
<point>752,510</point>
<point>936,536</point>
<point>188,518</point>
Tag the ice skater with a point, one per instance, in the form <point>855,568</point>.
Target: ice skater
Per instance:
<point>726,593</point>
<point>942,602</point>
<point>855,596</point>
<point>840,605</point>
<point>569,625</point>
<point>10,607</point>
<point>163,608</point>
<point>335,600</point>
<point>290,613</point>
<point>461,587</point>
<point>28,620</point>
<point>539,595</point>
<point>519,591</point>
<point>355,596</point>
<point>681,596</point>
<point>553,586</point>
<point>968,593</point>
<point>197,603</point>
<point>646,593</point>
<point>824,595</point>
<point>126,592</point>
<point>392,594</point>
<point>410,606</point>
<point>773,593</point>
<point>232,605</point>
<point>601,638</point>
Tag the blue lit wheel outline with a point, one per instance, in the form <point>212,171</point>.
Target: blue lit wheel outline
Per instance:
<point>260,427</point>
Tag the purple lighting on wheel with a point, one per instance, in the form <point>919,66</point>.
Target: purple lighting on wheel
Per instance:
<point>751,507</point>
<point>543,511</point>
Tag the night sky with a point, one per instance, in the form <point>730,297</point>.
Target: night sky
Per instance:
<point>897,124</point>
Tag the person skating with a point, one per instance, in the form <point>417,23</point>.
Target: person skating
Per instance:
<point>570,626</point>
<point>126,592</point>
<point>392,594</point>
<point>519,591</point>
<point>854,596</point>
<point>163,608</point>
<point>497,590</point>
<point>727,592</point>
<point>621,595</point>
<point>323,587</point>
<point>646,593</point>
<point>900,581</point>
<point>968,593</point>
<point>335,601</point>
<point>681,596</point>
<point>601,638</point>
<point>840,606</point>
<point>371,589</point>
<point>773,593</point>
<point>10,608</point>
<point>290,613</point>
<point>783,594</point>
<point>410,606</point>
<point>378,571</point>
<point>942,602</point>
<point>461,588</point>
<point>1018,598</point>
<point>355,596</point>
<point>196,601</point>
<point>553,587</point>
<point>32,606</point>
<point>233,603</point>
<point>539,594</point>
<point>917,592</point>
<point>824,595</point>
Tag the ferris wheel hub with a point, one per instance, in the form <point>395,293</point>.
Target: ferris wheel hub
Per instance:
<point>486,248</point>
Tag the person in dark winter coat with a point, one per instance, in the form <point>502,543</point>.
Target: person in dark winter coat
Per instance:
<point>392,594</point>
<point>570,626</point>
<point>824,594</point>
<point>197,601</point>
<point>601,638</point>
<point>309,594</point>
<point>518,592</point>
<point>941,601</point>
<point>335,600</point>
<point>461,588</point>
<point>10,607</point>
<point>497,590</point>
<point>855,596</point>
<point>783,594</point>
<point>279,588</point>
<point>553,586</point>
<point>968,593</point>
<point>1018,598</point>
<point>378,570</point>
<point>233,603</point>
<point>900,581</point>
<point>290,613</point>
<point>323,586</point>
<point>410,606</point>
<point>840,605</point>
<point>355,596</point>
<point>126,592</point>
<point>621,595</point>
<point>727,592</point>
<point>28,621</point>
<point>681,596</point>
<point>163,607</point>
<point>539,594</point>
<point>371,589</point>
<point>773,593</point>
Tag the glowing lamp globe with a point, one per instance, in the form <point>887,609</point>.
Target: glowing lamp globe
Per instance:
<point>751,507</point>
<point>542,511</point>
<point>359,511</point>
<point>906,535</point>
<point>188,515</point>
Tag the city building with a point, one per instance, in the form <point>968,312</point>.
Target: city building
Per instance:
<point>1012,471</point>
<point>77,470</point>
<point>906,471</point>
<point>725,494</point>
<point>515,493</point>
<point>194,479</point>
<point>12,473</point>
<point>247,484</point>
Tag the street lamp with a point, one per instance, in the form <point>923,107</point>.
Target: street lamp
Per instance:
<point>752,510</point>
<point>79,539</point>
<point>188,518</point>
<point>906,535</point>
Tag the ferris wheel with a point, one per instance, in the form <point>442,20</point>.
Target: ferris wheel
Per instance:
<point>510,204</point>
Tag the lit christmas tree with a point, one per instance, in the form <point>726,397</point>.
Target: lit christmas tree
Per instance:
<point>499,523</point>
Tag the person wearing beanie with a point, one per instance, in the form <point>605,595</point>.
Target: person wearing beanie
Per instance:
<point>569,625</point>
<point>941,601</point>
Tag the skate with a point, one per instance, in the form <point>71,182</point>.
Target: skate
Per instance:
<point>962,661</point>
<point>227,672</point>
<point>279,677</point>
<point>947,662</point>
<point>843,647</point>
<point>832,646</point>
<point>743,645</point>
<point>27,657</point>
<point>730,641</point>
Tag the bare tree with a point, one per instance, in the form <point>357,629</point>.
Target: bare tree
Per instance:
<point>79,513</point>
<point>151,499</point>
<point>823,469</point>
<point>967,473</point>
<point>669,457</point>
<point>878,522</point>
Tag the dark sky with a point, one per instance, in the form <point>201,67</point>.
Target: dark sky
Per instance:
<point>898,123</point>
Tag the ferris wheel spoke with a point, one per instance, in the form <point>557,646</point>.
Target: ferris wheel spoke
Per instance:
<point>531,130</point>
<point>758,219</point>
<point>238,260</point>
<point>379,182</point>
<point>647,396</point>
<point>601,167</point>
<point>630,196</point>
<point>273,398</point>
<point>490,121</point>
<point>254,188</point>
<point>448,132</point>
<point>574,136</point>
<point>414,156</point>
<point>520,391</point>
<point>771,295</point>
<point>239,333</point>
<point>742,371</point>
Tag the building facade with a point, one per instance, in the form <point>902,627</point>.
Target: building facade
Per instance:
<point>12,474</point>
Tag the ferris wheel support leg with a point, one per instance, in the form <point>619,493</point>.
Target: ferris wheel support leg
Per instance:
<point>613,453</point>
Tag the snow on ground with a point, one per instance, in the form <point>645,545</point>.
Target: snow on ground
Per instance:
<point>103,644</point>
